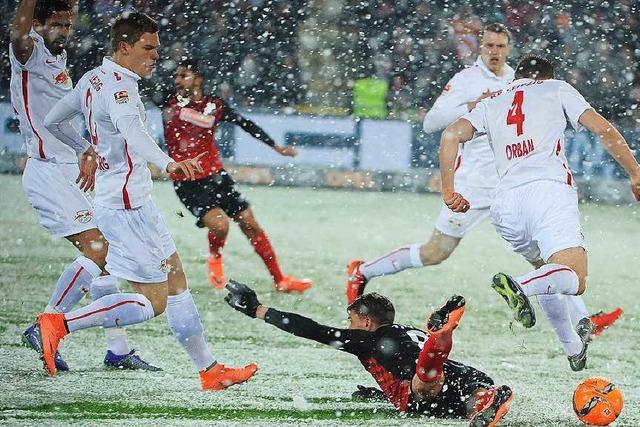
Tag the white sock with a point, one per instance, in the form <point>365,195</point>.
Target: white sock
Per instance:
<point>549,279</point>
<point>556,309</point>
<point>184,322</point>
<point>577,308</point>
<point>111,311</point>
<point>393,262</point>
<point>73,285</point>
<point>116,337</point>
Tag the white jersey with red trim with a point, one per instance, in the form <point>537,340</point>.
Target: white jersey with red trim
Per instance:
<point>105,94</point>
<point>525,124</point>
<point>35,88</point>
<point>475,166</point>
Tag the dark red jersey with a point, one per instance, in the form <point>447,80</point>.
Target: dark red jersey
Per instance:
<point>186,140</point>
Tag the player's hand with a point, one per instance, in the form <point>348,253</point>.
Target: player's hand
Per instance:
<point>456,202</point>
<point>287,151</point>
<point>189,168</point>
<point>242,298</point>
<point>486,94</point>
<point>88,165</point>
<point>635,186</point>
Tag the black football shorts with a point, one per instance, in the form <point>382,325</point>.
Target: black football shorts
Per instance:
<point>216,191</point>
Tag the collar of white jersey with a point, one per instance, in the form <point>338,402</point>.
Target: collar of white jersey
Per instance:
<point>508,71</point>
<point>34,34</point>
<point>108,63</point>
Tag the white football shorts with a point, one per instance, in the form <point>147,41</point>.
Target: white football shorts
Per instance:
<point>539,219</point>
<point>62,207</point>
<point>139,242</point>
<point>458,224</point>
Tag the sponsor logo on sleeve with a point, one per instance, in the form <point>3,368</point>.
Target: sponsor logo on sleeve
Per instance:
<point>122,97</point>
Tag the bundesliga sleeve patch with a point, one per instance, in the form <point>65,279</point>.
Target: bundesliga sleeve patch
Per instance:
<point>121,97</point>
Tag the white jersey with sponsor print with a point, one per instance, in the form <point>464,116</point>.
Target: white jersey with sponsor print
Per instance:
<point>475,166</point>
<point>525,124</point>
<point>35,88</point>
<point>105,95</point>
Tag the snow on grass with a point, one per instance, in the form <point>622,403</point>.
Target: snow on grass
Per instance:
<point>315,233</point>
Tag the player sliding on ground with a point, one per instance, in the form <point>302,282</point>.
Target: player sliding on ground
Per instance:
<point>536,205</point>
<point>141,249</point>
<point>191,119</point>
<point>53,180</point>
<point>475,176</point>
<point>411,366</point>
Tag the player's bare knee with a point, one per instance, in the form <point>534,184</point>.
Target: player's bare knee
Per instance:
<point>425,391</point>
<point>159,305</point>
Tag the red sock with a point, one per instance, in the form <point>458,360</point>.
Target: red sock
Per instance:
<point>215,245</point>
<point>263,248</point>
<point>432,357</point>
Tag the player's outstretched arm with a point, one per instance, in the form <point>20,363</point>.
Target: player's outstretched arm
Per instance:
<point>232,116</point>
<point>243,299</point>
<point>615,144</point>
<point>458,132</point>
<point>21,43</point>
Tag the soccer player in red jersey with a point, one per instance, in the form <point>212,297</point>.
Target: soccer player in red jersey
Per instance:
<point>191,119</point>
<point>411,366</point>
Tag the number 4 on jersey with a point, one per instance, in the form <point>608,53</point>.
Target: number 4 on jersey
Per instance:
<point>515,116</point>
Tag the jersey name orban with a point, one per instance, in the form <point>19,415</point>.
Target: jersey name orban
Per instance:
<point>525,124</point>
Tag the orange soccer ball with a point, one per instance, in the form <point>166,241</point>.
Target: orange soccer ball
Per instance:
<point>597,401</point>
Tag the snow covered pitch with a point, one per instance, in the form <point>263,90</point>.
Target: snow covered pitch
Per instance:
<point>315,233</point>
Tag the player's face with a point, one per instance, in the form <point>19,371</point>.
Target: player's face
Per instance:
<point>143,55</point>
<point>359,321</point>
<point>494,50</point>
<point>184,78</point>
<point>55,31</point>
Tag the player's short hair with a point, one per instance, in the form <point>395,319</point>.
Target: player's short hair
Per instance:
<point>497,27</point>
<point>191,64</point>
<point>534,67</point>
<point>46,8</point>
<point>376,306</point>
<point>130,26</point>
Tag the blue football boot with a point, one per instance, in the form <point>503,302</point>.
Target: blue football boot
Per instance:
<point>128,361</point>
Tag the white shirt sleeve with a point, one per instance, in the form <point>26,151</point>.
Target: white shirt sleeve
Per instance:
<point>136,135</point>
<point>58,121</point>
<point>573,104</point>
<point>449,106</point>
<point>477,117</point>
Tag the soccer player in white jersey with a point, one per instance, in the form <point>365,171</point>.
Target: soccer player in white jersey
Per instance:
<point>141,249</point>
<point>475,175</point>
<point>536,203</point>
<point>39,78</point>
<point>475,171</point>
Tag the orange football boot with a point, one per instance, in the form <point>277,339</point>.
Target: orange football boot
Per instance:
<point>219,377</point>
<point>52,330</point>
<point>291,284</point>
<point>495,411</point>
<point>356,281</point>
<point>216,272</point>
<point>446,319</point>
<point>603,320</point>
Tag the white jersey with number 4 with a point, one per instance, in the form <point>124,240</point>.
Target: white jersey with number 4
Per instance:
<point>525,124</point>
<point>35,87</point>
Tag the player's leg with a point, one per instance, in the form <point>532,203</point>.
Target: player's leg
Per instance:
<point>184,322</point>
<point>429,377</point>
<point>217,224</point>
<point>262,245</point>
<point>449,230</point>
